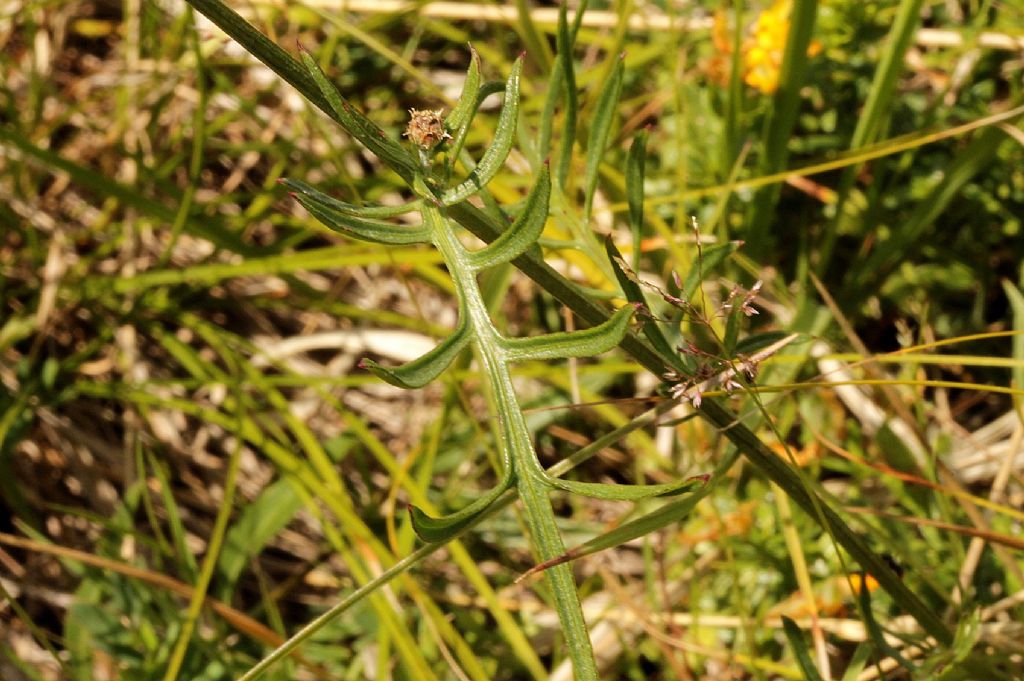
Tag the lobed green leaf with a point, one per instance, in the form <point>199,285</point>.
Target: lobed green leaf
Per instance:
<point>497,152</point>
<point>584,343</point>
<point>640,527</point>
<point>368,211</point>
<point>524,232</point>
<point>423,370</point>
<point>432,530</point>
<point>340,217</point>
<point>613,492</point>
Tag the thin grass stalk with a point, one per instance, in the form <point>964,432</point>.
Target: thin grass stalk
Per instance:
<point>210,560</point>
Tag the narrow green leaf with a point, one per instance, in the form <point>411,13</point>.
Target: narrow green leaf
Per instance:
<point>858,661</point>
<point>604,116</point>
<point>635,192</point>
<point>567,78</point>
<point>584,343</point>
<point>258,523</point>
<point>651,522</point>
<point>732,332</point>
<point>367,211</point>
<point>433,530</point>
<point>874,630</point>
<point>423,370</point>
<point>709,259</point>
<point>455,148</point>
<point>497,152</point>
<point>462,114</point>
<point>636,295</point>
<point>800,652</point>
<point>359,126</point>
<point>886,78</point>
<point>524,232</point>
<point>547,116</point>
<point>339,217</point>
<point>610,492</point>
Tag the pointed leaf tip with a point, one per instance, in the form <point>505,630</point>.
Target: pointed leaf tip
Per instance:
<point>704,478</point>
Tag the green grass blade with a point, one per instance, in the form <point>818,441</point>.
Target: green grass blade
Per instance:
<point>800,651</point>
<point>564,42</point>
<point>635,163</point>
<point>207,228</point>
<point>600,128</point>
<point>1016,299</point>
<point>710,258</point>
<point>873,117</point>
<point>538,47</point>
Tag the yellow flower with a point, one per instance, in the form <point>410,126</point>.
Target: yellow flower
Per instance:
<point>762,50</point>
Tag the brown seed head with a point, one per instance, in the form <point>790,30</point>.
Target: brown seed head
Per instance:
<point>426,128</point>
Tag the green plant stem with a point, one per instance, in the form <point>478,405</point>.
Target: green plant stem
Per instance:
<point>517,446</point>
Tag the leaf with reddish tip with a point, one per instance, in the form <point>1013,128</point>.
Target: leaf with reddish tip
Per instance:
<point>434,530</point>
<point>423,370</point>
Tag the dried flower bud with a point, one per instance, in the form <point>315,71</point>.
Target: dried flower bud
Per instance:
<point>426,128</point>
